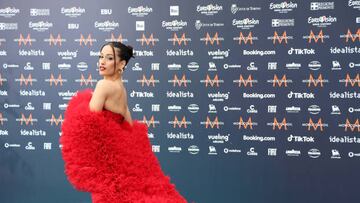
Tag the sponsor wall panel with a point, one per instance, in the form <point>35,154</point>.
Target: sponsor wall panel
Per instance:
<point>229,90</point>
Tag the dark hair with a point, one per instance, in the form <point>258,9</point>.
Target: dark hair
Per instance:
<point>125,51</point>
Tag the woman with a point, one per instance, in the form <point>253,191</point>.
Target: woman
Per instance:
<point>105,152</point>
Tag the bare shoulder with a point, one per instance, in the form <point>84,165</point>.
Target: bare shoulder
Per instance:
<point>103,86</point>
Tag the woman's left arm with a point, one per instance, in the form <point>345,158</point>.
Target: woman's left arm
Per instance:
<point>98,98</point>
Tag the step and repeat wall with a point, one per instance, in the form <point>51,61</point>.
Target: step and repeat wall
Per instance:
<point>246,101</point>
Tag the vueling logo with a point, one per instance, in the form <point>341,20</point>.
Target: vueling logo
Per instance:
<point>179,82</point>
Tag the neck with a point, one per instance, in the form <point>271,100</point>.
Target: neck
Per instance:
<point>114,77</point>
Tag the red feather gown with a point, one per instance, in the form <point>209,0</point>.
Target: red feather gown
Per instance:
<point>111,159</point>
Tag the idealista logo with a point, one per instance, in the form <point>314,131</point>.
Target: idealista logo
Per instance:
<point>140,11</point>
<point>245,23</point>
<point>73,11</point>
<point>86,81</point>
<point>245,39</point>
<point>148,81</point>
<point>106,26</point>
<point>280,39</point>
<point>26,81</point>
<point>283,7</point>
<point>39,12</point>
<point>212,40</point>
<point>245,124</point>
<point>148,41</point>
<point>276,82</point>
<point>176,81</point>
<point>55,41</point>
<point>209,9</point>
<point>316,37</point>
<point>312,81</point>
<point>150,122</point>
<point>234,8</point>
<point>212,123</point>
<point>179,124</point>
<point>212,82</point>
<point>24,41</point>
<point>40,26</point>
<point>85,41</point>
<point>27,120</point>
<point>245,82</point>
<point>275,124</point>
<point>179,41</point>
<point>174,25</point>
<point>352,126</point>
<point>54,120</point>
<point>322,21</point>
<point>354,3</point>
<point>119,38</point>
<point>350,37</point>
<point>314,126</point>
<point>9,12</point>
<point>199,24</point>
<point>56,81</point>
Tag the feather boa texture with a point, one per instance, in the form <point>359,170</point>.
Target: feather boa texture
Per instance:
<point>110,158</point>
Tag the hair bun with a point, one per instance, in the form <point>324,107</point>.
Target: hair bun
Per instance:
<point>131,51</point>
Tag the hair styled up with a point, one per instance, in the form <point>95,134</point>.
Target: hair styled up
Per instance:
<point>125,52</point>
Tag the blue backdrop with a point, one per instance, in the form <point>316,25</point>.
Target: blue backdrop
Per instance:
<point>246,101</point>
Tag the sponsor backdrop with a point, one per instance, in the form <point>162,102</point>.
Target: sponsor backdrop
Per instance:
<point>251,101</point>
